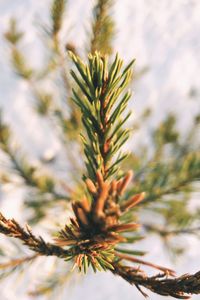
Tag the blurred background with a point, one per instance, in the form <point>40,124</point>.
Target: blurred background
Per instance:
<point>40,157</point>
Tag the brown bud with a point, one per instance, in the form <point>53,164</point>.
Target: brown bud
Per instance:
<point>119,183</point>
<point>100,201</point>
<point>90,185</point>
<point>80,214</point>
<point>106,146</point>
<point>71,47</point>
<point>85,204</point>
<point>132,202</point>
<point>123,185</point>
<point>113,187</point>
<point>100,180</point>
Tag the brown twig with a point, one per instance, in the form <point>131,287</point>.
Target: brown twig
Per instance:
<point>11,228</point>
<point>179,287</point>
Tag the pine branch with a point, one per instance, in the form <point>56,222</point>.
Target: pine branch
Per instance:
<point>20,65</point>
<point>102,28</point>
<point>10,227</point>
<point>57,12</point>
<point>169,178</point>
<point>53,283</point>
<point>14,263</point>
<point>13,35</point>
<point>102,111</point>
<point>179,287</point>
<point>44,184</point>
<point>45,104</point>
<point>44,100</point>
<point>174,165</point>
<point>103,219</point>
<point>97,226</point>
<point>96,234</point>
<point>162,231</point>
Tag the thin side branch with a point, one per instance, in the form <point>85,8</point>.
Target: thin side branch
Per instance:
<point>13,263</point>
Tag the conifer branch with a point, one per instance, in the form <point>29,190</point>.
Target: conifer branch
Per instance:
<point>97,223</point>
<point>102,27</point>
<point>13,35</point>
<point>180,287</point>
<point>161,179</point>
<point>54,282</point>
<point>14,263</point>
<point>57,12</point>
<point>162,231</point>
<point>10,227</point>
<point>96,234</point>
<point>45,104</point>
<point>102,111</point>
<point>104,223</point>
<point>42,183</point>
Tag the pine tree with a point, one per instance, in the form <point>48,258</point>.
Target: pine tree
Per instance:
<point>108,191</point>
